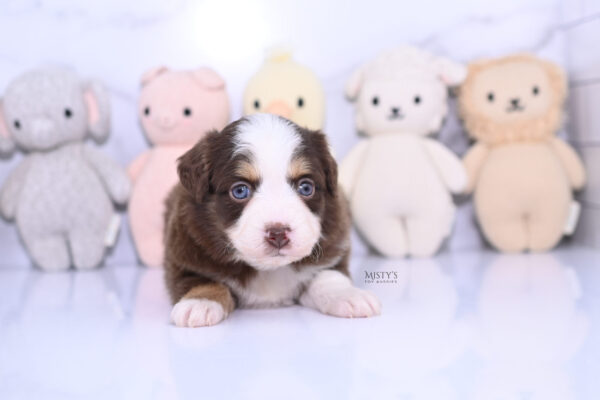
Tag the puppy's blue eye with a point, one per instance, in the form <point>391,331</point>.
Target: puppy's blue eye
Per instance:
<point>306,187</point>
<point>240,191</point>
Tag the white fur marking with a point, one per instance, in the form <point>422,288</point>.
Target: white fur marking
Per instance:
<point>197,312</point>
<point>332,293</point>
<point>277,287</point>
<point>271,142</point>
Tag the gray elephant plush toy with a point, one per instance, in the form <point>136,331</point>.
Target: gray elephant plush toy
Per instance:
<point>61,194</point>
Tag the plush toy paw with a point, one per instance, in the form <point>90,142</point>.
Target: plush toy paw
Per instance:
<point>121,188</point>
<point>49,253</point>
<point>192,313</point>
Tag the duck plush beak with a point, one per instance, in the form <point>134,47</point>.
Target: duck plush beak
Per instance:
<point>279,107</point>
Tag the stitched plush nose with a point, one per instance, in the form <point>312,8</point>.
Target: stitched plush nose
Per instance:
<point>395,110</point>
<point>515,101</point>
<point>276,235</point>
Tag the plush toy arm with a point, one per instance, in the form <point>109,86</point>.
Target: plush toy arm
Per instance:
<point>137,165</point>
<point>11,190</point>
<point>571,162</point>
<point>349,167</point>
<point>113,176</point>
<point>472,161</point>
<point>448,165</point>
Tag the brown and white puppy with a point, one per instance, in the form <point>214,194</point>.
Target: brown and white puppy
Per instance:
<point>257,221</point>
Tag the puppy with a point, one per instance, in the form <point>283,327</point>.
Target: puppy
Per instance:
<point>257,221</point>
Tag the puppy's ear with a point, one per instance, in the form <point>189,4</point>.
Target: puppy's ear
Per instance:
<point>193,168</point>
<point>331,172</point>
<point>328,164</point>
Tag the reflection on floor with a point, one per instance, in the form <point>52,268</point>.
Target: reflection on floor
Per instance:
<point>461,326</point>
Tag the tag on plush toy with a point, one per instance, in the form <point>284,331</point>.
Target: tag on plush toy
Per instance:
<point>573,217</point>
<point>113,229</point>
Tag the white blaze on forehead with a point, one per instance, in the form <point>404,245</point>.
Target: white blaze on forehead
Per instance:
<point>270,141</point>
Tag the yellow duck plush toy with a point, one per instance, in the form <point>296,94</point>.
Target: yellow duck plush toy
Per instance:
<point>284,87</point>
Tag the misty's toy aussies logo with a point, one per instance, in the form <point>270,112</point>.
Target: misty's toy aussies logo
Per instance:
<point>381,277</point>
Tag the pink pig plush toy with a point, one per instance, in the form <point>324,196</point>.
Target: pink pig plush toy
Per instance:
<point>176,109</point>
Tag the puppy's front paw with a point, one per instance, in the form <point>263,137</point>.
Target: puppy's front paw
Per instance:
<point>193,313</point>
<point>348,303</point>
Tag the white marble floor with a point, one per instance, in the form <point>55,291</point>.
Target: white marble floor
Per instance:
<point>461,326</point>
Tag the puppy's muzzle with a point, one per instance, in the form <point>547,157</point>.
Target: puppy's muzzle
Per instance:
<point>276,235</point>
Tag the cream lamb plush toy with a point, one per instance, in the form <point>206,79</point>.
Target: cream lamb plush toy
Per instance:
<point>176,108</point>
<point>61,193</point>
<point>398,180</point>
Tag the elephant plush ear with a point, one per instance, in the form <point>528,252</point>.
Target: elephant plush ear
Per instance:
<point>149,75</point>
<point>208,78</point>
<point>97,103</point>
<point>7,145</point>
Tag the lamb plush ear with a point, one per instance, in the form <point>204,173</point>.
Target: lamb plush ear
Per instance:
<point>97,103</point>
<point>450,72</point>
<point>6,143</point>
<point>208,78</point>
<point>152,73</point>
<point>354,84</point>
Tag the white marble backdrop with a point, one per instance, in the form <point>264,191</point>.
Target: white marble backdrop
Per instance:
<point>117,41</point>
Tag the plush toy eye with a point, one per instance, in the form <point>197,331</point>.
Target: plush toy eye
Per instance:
<point>417,99</point>
<point>17,124</point>
<point>375,100</point>
<point>240,191</point>
<point>536,90</point>
<point>300,102</point>
<point>256,104</point>
<point>306,187</point>
<point>68,113</point>
<point>490,97</point>
<point>147,111</point>
<point>187,111</point>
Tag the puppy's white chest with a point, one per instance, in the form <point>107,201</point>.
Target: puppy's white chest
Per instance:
<point>279,287</point>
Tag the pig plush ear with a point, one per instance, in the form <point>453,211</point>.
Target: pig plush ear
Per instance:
<point>97,104</point>
<point>208,78</point>
<point>450,72</point>
<point>153,73</point>
<point>6,143</point>
<point>354,84</point>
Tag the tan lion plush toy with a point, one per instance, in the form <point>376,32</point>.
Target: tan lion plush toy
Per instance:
<point>522,175</point>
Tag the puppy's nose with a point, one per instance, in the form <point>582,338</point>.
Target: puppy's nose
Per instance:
<point>276,235</point>
<point>515,101</point>
<point>395,110</point>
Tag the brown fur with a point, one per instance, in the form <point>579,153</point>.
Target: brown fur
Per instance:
<point>199,257</point>
<point>215,292</point>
